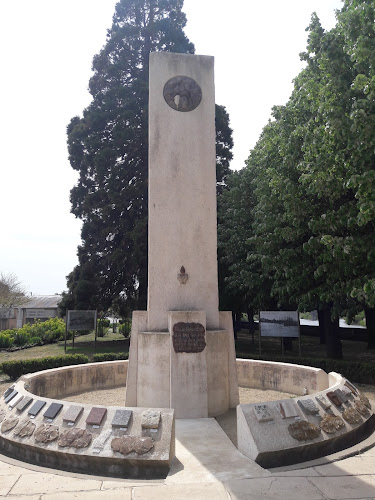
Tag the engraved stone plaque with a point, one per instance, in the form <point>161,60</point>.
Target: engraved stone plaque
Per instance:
<point>150,419</point>
<point>334,398</point>
<point>127,444</point>
<point>288,409</point>
<point>96,416</point>
<point>72,414</point>
<point>9,424</point>
<point>75,438</point>
<point>303,430</point>
<point>24,403</point>
<point>53,410</point>
<point>8,391</point>
<point>341,395</point>
<point>35,409</point>
<point>347,391</point>
<point>331,424</point>
<point>323,402</point>
<point>308,406</point>
<point>262,413</point>
<point>10,396</point>
<point>352,416</point>
<point>188,337</point>
<point>15,401</point>
<point>121,418</point>
<point>46,433</point>
<point>25,429</point>
<point>182,93</point>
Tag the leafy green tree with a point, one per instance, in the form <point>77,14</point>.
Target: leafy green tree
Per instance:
<point>108,146</point>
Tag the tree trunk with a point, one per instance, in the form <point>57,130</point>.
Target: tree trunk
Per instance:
<point>250,319</point>
<point>370,326</point>
<point>322,331</point>
<point>333,342</point>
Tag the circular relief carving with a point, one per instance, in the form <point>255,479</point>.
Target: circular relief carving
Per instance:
<point>182,93</point>
<point>303,430</point>
<point>351,416</point>
<point>331,424</point>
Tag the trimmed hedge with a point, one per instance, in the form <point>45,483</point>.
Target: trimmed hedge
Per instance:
<point>15,369</point>
<point>356,371</point>
<point>109,356</point>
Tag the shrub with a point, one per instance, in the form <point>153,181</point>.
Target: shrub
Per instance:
<point>21,338</point>
<point>15,369</point>
<point>125,327</point>
<point>35,340</point>
<point>109,356</point>
<point>6,340</point>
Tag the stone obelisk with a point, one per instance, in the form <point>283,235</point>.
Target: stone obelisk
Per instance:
<point>182,348</point>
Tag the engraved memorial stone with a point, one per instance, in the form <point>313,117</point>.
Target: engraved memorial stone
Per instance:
<point>188,337</point>
<point>361,408</point>
<point>127,444</point>
<point>351,416</point>
<point>25,429</point>
<point>288,409</point>
<point>182,93</point>
<point>303,430</point>
<point>75,438</point>
<point>334,398</point>
<point>46,433</point>
<point>323,402</point>
<point>121,418</point>
<point>10,396</point>
<point>150,419</point>
<point>72,414</point>
<point>308,406</point>
<point>9,424</point>
<point>15,401</point>
<point>96,416</point>
<point>331,424</point>
<point>100,441</point>
<point>341,395</point>
<point>53,410</point>
<point>24,403</point>
<point>262,413</point>
<point>35,409</point>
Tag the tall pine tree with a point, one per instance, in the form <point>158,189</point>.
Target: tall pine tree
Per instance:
<point>108,146</point>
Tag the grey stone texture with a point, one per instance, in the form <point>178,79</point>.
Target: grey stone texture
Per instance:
<point>121,418</point>
<point>9,424</point>
<point>73,413</point>
<point>25,429</point>
<point>46,433</point>
<point>150,419</point>
<point>75,438</point>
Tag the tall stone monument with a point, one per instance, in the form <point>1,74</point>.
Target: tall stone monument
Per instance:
<point>182,349</point>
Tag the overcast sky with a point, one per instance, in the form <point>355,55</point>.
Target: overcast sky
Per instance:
<point>46,53</point>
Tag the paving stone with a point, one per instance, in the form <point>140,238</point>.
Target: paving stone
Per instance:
<point>75,438</point>
<point>303,430</point>
<point>288,409</point>
<point>214,491</point>
<point>46,433</point>
<point>291,488</point>
<point>349,487</point>
<point>24,403</point>
<point>308,406</point>
<point>36,407</point>
<point>7,482</point>
<point>353,466</point>
<point>121,418</point>
<point>53,410</point>
<point>96,416</point>
<point>43,483</point>
<point>9,424</point>
<point>262,413</point>
<point>115,494</point>
<point>24,429</point>
<point>73,413</point>
<point>150,419</point>
<point>15,401</point>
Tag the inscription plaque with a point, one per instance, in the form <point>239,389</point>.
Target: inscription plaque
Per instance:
<point>11,396</point>
<point>341,395</point>
<point>334,398</point>
<point>15,401</point>
<point>308,406</point>
<point>262,413</point>
<point>8,391</point>
<point>96,416</point>
<point>182,93</point>
<point>323,402</point>
<point>121,418</point>
<point>288,409</point>
<point>24,403</point>
<point>72,414</point>
<point>188,337</point>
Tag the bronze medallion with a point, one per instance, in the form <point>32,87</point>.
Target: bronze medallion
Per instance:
<point>182,93</point>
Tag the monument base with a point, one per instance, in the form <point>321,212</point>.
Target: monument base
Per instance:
<point>187,367</point>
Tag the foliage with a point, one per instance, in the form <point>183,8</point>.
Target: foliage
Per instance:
<point>15,369</point>
<point>108,147</point>
<point>125,327</point>
<point>41,332</point>
<point>109,356</point>
<point>6,340</point>
<point>12,293</point>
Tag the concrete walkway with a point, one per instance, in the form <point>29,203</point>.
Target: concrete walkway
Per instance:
<point>207,466</point>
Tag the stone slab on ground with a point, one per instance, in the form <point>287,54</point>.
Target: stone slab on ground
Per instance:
<point>276,487</point>
<point>51,483</point>
<point>350,487</point>
<point>214,491</point>
<point>117,494</point>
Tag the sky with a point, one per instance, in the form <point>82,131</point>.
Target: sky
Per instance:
<point>46,52</point>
